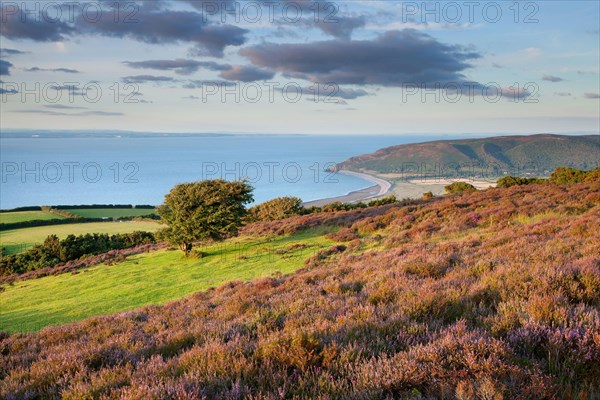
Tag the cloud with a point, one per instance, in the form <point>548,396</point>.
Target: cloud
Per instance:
<point>562,94</point>
<point>4,52</point>
<point>63,87</point>
<point>146,78</point>
<point>342,27</point>
<point>63,107</point>
<point>8,91</point>
<point>149,24</point>
<point>552,78</point>
<point>17,24</point>
<point>395,58</point>
<point>198,84</point>
<point>169,26</point>
<point>5,67</point>
<point>514,93</point>
<point>78,114</point>
<point>65,70</point>
<point>328,91</point>
<point>179,66</point>
<point>591,96</point>
<point>246,73</point>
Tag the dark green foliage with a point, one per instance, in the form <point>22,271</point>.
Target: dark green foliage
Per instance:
<point>509,181</point>
<point>29,208</point>
<point>564,176</point>
<point>54,251</point>
<point>459,187</point>
<point>276,209</point>
<point>383,201</point>
<point>211,209</point>
<point>90,206</point>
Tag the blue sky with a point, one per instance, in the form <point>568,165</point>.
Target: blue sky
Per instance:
<point>380,67</point>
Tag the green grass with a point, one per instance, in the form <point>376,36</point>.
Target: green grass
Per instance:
<point>22,216</point>
<point>111,212</point>
<point>153,278</point>
<point>17,240</point>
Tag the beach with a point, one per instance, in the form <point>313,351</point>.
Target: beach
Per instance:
<point>380,188</point>
<point>402,189</point>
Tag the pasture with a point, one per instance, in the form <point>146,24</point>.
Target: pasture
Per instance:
<point>17,240</point>
<point>152,278</point>
<point>110,212</point>
<point>24,216</point>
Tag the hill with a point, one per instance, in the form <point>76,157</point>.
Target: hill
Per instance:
<point>536,154</point>
<point>492,294</point>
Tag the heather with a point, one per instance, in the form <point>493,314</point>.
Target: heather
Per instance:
<point>484,295</point>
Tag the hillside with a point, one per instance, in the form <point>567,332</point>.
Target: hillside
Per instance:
<point>536,154</point>
<point>488,295</point>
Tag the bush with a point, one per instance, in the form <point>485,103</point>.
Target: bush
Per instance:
<point>383,201</point>
<point>275,209</point>
<point>562,176</point>
<point>459,188</point>
<point>344,235</point>
<point>509,181</point>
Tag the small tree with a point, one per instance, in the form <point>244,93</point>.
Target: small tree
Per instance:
<point>211,209</point>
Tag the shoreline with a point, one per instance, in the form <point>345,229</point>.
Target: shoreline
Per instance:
<point>380,188</point>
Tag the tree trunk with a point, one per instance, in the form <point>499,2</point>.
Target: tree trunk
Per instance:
<point>186,248</point>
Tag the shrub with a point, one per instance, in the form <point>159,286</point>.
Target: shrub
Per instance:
<point>275,209</point>
<point>459,188</point>
<point>344,235</point>
<point>564,176</point>
<point>509,181</point>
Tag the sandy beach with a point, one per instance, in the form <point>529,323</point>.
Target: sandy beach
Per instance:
<point>380,188</point>
<point>402,189</point>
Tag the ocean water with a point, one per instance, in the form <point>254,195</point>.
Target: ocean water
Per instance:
<point>141,170</point>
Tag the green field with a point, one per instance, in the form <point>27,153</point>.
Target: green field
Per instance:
<point>152,278</point>
<point>111,212</point>
<point>20,239</point>
<point>22,216</point>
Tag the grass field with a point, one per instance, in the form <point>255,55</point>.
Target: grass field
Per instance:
<point>22,216</point>
<point>152,278</point>
<point>111,212</point>
<point>20,239</point>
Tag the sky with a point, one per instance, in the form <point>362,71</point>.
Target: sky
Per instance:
<point>301,66</point>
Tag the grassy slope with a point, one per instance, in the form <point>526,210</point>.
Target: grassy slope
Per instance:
<point>22,216</point>
<point>147,279</point>
<point>493,294</point>
<point>110,212</point>
<point>21,239</point>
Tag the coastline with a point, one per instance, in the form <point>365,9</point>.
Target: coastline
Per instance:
<point>380,188</point>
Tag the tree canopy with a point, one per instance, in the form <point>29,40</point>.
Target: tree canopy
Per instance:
<point>197,211</point>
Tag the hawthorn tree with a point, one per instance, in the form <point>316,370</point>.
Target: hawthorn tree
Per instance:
<point>211,209</point>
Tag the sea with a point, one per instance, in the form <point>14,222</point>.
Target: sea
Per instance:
<point>141,170</point>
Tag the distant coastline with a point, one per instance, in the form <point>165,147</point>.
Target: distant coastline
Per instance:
<point>380,188</point>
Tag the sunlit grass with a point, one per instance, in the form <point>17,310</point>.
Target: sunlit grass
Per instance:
<point>17,240</point>
<point>152,278</point>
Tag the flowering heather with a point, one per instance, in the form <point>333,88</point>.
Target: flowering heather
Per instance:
<point>487,295</point>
